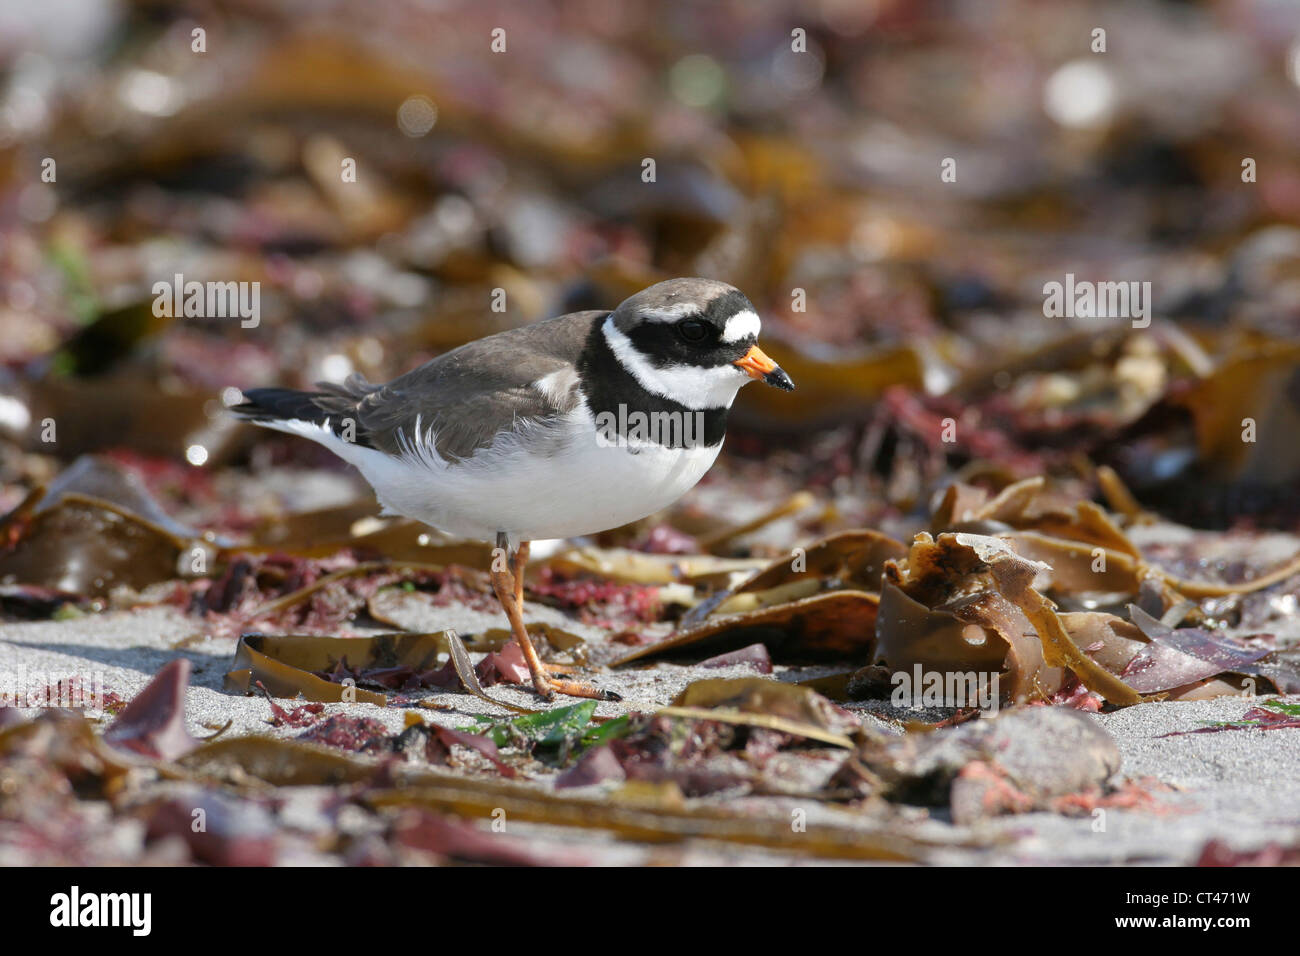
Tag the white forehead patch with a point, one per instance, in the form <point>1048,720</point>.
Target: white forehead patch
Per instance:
<point>742,325</point>
<point>671,313</point>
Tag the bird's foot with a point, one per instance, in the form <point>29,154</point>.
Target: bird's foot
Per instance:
<point>509,587</point>
<point>547,684</point>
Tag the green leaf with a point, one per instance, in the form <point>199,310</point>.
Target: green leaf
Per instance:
<point>72,261</point>
<point>604,733</point>
<point>550,728</point>
<point>1281,706</point>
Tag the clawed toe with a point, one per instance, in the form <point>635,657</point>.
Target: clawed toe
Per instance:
<point>573,688</point>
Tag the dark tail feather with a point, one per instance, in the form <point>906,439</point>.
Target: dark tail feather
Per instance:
<point>263,406</point>
<point>280,404</point>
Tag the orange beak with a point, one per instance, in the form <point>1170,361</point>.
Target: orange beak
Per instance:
<point>756,364</point>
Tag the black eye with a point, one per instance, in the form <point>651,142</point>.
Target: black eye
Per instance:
<point>693,330</point>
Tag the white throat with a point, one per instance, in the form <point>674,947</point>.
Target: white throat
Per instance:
<point>694,386</point>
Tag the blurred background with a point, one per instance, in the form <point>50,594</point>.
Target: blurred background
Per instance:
<point>798,153</point>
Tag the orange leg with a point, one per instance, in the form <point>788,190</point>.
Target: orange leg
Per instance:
<point>509,589</point>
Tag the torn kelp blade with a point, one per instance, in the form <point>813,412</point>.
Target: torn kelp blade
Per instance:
<point>972,564</point>
<point>281,680</point>
<point>1084,550</point>
<point>1177,657</point>
<point>1014,577</point>
<point>289,664</point>
<point>910,633</point>
<point>978,634</point>
<point>1110,640</point>
<point>310,652</point>
<point>1075,567</point>
<point>101,478</point>
<point>83,545</point>
<point>847,560</point>
<point>829,626</point>
<point>1030,505</point>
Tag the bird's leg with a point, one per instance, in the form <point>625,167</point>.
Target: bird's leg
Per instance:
<point>521,561</point>
<point>510,592</point>
<point>509,589</point>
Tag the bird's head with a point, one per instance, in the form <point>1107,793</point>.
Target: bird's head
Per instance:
<point>692,340</point>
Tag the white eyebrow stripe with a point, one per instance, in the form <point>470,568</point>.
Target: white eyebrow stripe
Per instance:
<point>742,325</point>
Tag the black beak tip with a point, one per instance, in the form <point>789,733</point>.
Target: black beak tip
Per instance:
<point>779,379</point>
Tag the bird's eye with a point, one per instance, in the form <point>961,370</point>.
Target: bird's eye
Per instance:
<point>693,330</point>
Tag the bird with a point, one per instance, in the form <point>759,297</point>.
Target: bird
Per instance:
<point>561,428</point>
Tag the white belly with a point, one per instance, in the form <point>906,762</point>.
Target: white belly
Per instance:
<point>581,489</point>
